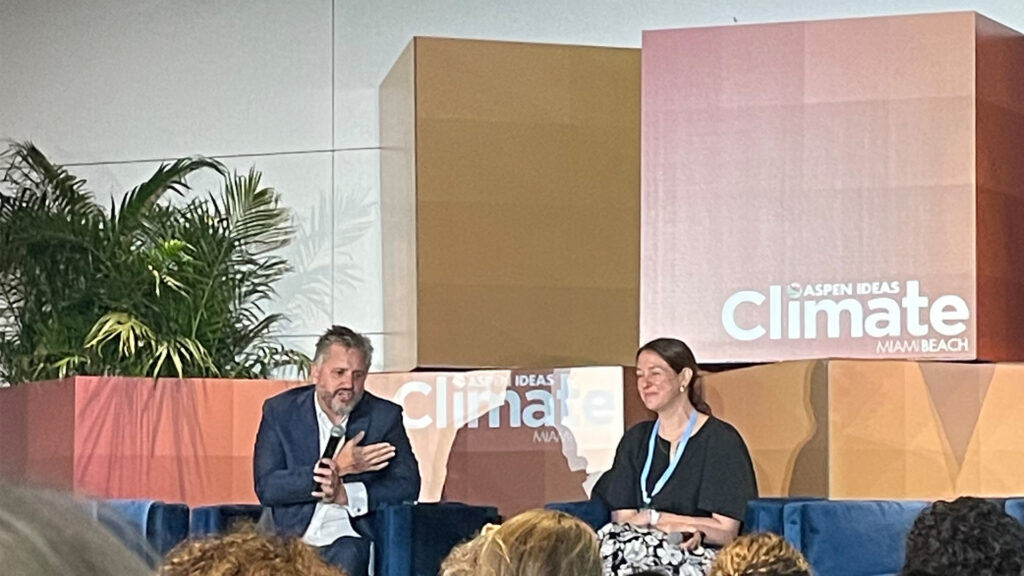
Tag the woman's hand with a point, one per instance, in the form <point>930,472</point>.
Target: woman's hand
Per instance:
<point>693,542</point>
<point>640,518</point>
<point>718,530</point>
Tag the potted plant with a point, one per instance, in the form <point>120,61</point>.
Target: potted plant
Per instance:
<point>145,321</point>
<point>147,287</point>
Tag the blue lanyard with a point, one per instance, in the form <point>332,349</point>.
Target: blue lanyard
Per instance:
<point>683,440</point>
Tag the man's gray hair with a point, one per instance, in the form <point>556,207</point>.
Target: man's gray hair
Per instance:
<point>348,338</point>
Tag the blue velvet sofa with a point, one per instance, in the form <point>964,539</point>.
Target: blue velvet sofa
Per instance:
<point>838,537</point>
<point>593,511</point>
<point>213,520</point>
<point>148,527</point>
<point>853,537</point>
<point>414,539</point>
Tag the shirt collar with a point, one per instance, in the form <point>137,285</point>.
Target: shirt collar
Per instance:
<point>322,419</point>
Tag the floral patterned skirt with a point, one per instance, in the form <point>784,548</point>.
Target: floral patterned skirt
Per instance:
<point>628,549</point>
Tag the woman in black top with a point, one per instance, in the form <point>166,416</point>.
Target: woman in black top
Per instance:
<point>687,472</point>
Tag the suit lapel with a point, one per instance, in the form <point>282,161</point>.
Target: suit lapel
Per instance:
<point>306,429</point>
<point>359,419</point>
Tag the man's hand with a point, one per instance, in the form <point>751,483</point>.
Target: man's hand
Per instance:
<point>355,459</point>
<point>325,473</point>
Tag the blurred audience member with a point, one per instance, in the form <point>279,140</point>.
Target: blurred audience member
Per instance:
<point>966,536</point>
<point>47,534</point>
<point>760,554</point>
<point>246,552</point>
<point>534,543</point>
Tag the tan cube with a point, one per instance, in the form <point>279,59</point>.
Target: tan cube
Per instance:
<point>510,177</point>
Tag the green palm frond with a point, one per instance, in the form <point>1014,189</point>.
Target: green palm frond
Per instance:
<point>256,221</point>
<point>168,178</point>
<point>128,332</point>
<point>69,365</point>
<point>144,287</point>
<point>33,177</point>
<point>181,351</point>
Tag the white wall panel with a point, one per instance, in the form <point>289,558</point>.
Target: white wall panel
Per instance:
<point>108,80</point>
<point>358,293</point>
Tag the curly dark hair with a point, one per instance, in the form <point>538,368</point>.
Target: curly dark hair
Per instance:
<point>245,552</point>
<point>966,536</point>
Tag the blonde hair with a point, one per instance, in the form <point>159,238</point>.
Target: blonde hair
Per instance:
<point>760,554</point>
<point>246,552</point>
<point>534,543</point>
<point>44,533</point>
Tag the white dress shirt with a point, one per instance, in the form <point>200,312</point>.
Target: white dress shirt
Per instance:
<point>331,521</point>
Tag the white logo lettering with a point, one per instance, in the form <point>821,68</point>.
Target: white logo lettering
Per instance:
<point>544,404</point>
<point>882,317</point>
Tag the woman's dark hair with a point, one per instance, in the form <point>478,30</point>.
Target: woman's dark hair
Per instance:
<point>678,356</point>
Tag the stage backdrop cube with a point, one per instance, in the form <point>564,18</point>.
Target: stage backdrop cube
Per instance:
<point>476,434</point>
<point>510,177</point>
<point>839,188</point>
<point>868,429</point>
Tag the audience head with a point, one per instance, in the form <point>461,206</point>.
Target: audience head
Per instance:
<point>246,552</point>
<point>534,543</point>
<point>45,533</point>
<point>685,371</point>
<point>965,536</point>
<point>760,554</point>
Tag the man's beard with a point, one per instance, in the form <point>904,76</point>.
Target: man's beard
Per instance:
<point>337,406</point>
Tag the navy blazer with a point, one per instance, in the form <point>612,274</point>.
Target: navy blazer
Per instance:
<point>288,446</point>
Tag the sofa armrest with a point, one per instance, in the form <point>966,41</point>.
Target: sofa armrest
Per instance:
<point>146,526</point>
<point>765,514</point>
<point>413,539</point>
<point>594,512</point>
<point>213,520</point>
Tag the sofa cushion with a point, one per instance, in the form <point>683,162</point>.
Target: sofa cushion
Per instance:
<point>594,512</point>
<point>413,539</point>
<point>149,527</point>
<point>213,520</point>
<point>765,514</point>
<point>1015,508</point>
<point>852,538</point>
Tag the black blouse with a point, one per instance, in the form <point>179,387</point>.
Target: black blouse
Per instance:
<point>715,474</point>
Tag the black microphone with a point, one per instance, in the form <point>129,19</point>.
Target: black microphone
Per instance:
<point>337,434</point>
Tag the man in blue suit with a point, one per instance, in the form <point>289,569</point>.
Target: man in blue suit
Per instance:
<point>330,502</point>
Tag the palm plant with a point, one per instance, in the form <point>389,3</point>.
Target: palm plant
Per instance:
<point>145,287</point>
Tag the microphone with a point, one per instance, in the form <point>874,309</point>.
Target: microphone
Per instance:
<point>337,433</point>
<point>677,538</point>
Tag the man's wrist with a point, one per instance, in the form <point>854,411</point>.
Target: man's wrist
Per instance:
<point>345,469</point>
<point>340,495</point>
